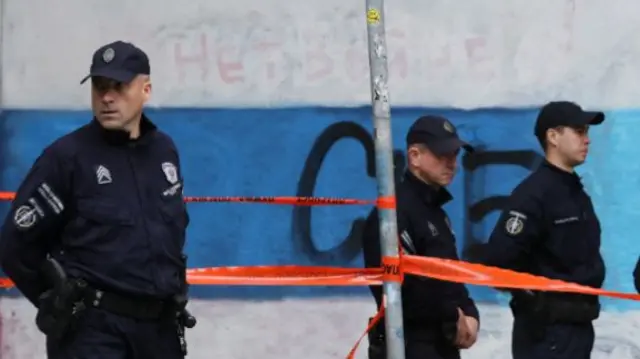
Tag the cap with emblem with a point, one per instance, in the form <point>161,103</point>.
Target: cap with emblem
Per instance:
<point>438,134</point>
<point>120,61</point>
<point>564,113</point>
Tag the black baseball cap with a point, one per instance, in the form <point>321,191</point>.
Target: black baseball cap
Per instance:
<point>438,134</point>
<point>564,113</point>
<point>120,61</point>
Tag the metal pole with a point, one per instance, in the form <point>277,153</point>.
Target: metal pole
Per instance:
<point>384,171</point>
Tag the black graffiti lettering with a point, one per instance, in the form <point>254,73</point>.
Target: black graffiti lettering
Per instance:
<point>351,245</point>
<point>478,210</point>
<point>528,159</point>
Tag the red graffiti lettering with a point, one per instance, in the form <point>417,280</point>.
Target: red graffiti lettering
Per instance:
<point>476,49</point>
<point>230,71</point>
<point>478,56</point>
<point>199,58</point>
<point>266,49</point>
<point>320,64</point>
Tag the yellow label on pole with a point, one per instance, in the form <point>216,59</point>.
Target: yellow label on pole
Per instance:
<point>373,16</point>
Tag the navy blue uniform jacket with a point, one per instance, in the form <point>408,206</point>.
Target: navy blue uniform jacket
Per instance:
<point>425,230</point>
<point>110,209</point>
<point>549,228</point>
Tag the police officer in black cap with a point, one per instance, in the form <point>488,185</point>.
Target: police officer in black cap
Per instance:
<point>95,236</point>
<point>440,318</point>
<point>549,228</point>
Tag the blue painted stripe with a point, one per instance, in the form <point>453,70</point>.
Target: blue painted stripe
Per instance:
<point>264,152</point>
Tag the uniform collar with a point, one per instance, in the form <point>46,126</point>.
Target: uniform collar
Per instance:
<point>429,194</point>
<point>120,137</point>
<point>570,178</point>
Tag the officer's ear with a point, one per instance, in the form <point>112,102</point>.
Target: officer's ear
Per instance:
<point>553,136</point>
<point>146,88</point>
<point>413,155</point>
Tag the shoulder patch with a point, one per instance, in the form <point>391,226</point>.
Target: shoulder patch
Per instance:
<point>515,223</point>
<point>170,172</point>
<point>25,217</point>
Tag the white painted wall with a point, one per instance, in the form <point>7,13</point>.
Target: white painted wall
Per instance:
<point>274,52</point>
<point>314,329</point>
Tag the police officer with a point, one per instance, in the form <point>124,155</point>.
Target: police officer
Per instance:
<point>549,228</point>
<point>440,318</point>
<point>96,233</point>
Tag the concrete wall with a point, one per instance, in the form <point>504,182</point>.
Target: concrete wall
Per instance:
<point>269,98</point>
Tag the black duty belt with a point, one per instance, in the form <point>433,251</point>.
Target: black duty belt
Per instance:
<point>552,308</point>
<point>128,306</point>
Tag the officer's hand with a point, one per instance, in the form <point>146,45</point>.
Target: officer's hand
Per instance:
<point>473,324</point>
<point>467,331</point>
<point>187,319</point>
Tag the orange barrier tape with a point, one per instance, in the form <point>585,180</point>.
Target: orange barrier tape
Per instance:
<point>443,269</point>
<point>477,274</point>
<point>372,324</point>
<point>285,275</point>
<point>299,201</point>
<point>386,202</point>
<point>383,202</point>
<point>438,268</point>
<point>6,283</point>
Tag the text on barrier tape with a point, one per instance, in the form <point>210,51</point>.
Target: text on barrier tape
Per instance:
<point>391,269</point>
<point>382,202</point>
